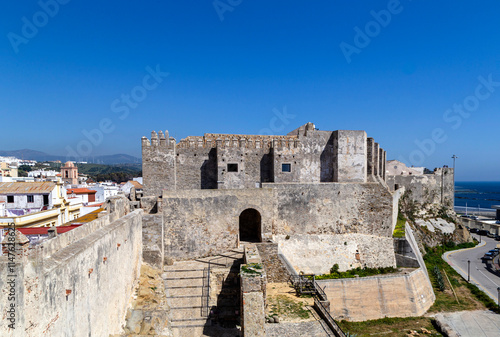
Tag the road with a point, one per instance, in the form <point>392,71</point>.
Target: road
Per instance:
<point>479,275</point>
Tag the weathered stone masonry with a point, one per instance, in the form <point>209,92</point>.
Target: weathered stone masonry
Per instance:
<point>222,161</point>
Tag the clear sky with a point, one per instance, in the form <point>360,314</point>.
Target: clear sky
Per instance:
<point>93,77</point>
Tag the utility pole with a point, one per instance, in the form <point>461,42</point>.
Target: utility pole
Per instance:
<point>468,271</point>
<point>454,157</point>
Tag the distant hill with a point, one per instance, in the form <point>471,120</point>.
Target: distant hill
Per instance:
<point>28,154</point>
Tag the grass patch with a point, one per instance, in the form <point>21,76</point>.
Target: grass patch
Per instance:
<point>361,272</point>
<point>399,231</point>
<point>470,297</point>
<point>389,327</point>
<point>252,269</point>
<point>287,307</point>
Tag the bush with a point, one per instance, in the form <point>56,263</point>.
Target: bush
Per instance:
<point>361,272</point>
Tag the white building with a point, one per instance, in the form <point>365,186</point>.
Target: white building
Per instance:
<point>104,190</point>
<point>397,168</point>
<point>43,174</point>
<point>36,204</point>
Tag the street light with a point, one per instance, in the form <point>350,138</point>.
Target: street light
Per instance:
<point>498,297</point>
<point>454,157</point>
<point>468,271</point>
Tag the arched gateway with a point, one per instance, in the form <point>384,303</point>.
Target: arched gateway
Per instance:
<point>250,225</point>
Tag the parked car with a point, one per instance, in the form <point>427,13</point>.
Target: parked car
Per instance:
<point>497,237</point>
<point>482,232</point>
<point>473,230</point>
<point>488,256</point>
<point>490,235</point>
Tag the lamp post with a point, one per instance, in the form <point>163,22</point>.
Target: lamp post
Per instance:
<point>468,271</point>
<point>454,157</point>
<point>498,297</point>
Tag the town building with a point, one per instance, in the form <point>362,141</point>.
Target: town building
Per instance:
<point>36,204</point>
<point>69,173</point>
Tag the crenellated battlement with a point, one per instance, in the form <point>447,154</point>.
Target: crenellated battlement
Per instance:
<point>159,139</point>
<point>214,140</point>
<point>229,161</point>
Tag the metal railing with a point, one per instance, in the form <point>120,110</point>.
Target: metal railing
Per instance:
<point>205,307</point>
<point>306,284</point>
<point>328,318</point>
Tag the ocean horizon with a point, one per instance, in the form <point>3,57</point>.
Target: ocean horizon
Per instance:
<point>477,194</point>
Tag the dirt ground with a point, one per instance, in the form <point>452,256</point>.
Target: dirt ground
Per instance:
<point>283,302</point>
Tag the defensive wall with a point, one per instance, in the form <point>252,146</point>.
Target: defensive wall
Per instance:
<point>393,295</point>
<point>426,190</point>
<point>368,298</point>
<point>224,161</point>
<point>78,283</point>
<point>199,223</point>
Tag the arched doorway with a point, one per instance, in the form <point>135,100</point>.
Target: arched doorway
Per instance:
<point>250,223</point>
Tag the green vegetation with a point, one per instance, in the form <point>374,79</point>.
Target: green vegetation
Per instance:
<point>399,231</point>
<point>361,272</point>
<point>483,298</point>
<point>469,296</point>
<point>439,278</point>
<point>282,305</point>
<point>390,327</point>
<point>252,269</point>
<point>97,172</point>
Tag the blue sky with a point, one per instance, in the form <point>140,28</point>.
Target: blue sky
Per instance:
<point>234,65</point>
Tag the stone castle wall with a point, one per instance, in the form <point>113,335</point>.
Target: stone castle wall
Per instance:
<point>206,222</point>
<point>79,283</point>
<point>427,189</point>
<point>368,298</point>
<point>218,161</point>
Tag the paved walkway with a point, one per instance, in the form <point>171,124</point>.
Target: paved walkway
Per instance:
<point>472,323</point>
<point>303,329</point>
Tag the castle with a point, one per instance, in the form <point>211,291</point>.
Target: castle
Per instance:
<point>301,202</point>
<point>222,161</point>
<point>322,186</point>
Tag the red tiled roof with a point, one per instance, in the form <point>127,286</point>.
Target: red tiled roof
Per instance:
<point>136,184</point>
<point>80,191</point>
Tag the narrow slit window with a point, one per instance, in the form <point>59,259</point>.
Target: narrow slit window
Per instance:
<point>286,167</point>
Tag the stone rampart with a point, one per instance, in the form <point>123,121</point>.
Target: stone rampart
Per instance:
<point>316,254</point>
<point>79,283</point>
<point>427,190</point>
<point>206,222</point>
<point>368,298</point>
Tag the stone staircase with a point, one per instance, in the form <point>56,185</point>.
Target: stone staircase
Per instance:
<point>188,288</point>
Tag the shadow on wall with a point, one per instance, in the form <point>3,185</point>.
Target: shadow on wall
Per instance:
<point>208,171</point>
<point>326,161</point>
<point>227,312</point>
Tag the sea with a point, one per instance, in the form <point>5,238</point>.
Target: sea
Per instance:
<point>477,194</point>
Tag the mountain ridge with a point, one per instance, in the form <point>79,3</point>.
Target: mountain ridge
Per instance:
<point>29,154</point>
